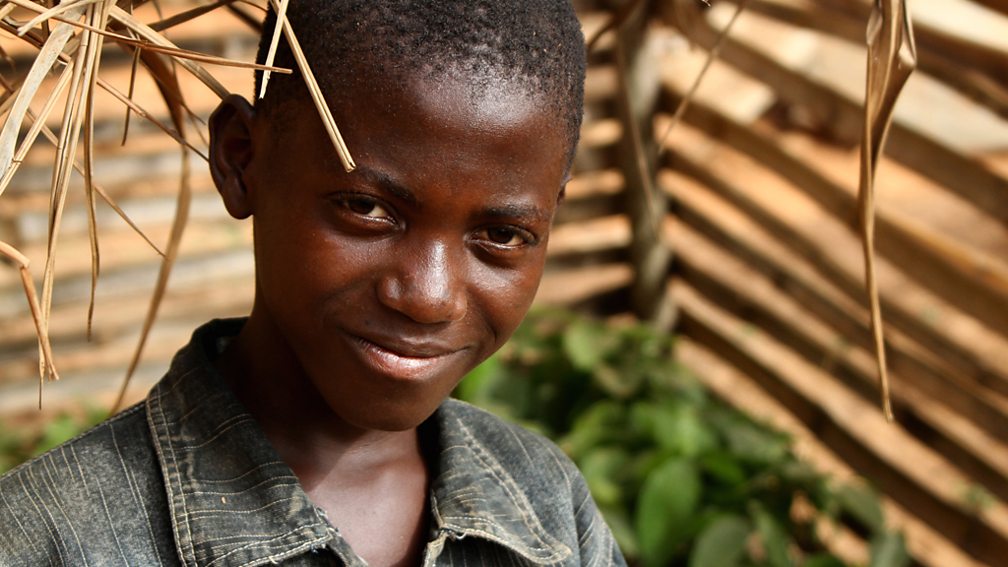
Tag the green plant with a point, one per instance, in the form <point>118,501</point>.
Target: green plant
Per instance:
<point>682,478</point>
<point>20,443</point>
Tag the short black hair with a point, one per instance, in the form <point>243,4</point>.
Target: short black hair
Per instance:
<point>536,44</point>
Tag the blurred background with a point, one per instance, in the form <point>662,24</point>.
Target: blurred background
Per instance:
<point>733,233</point>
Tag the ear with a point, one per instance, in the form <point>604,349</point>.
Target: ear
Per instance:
<point>563,187</point>
<point>231,152</point>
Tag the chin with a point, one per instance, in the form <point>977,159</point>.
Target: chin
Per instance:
<point>393,421</point>
<point>391,416</point>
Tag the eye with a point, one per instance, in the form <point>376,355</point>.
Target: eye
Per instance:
<point>506,236</point>
<point>364,206</point>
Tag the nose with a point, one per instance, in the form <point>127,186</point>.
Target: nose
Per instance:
<point>426,285</point>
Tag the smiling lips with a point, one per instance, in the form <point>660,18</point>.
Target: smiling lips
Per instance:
<point>413,364</point>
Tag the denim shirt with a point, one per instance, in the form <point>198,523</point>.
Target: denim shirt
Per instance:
<point>188,478</point>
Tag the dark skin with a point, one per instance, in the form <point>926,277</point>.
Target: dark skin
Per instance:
<point>377,290</point>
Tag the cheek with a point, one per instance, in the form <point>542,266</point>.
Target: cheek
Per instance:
<point>506,295</point>
<point>299,261</point>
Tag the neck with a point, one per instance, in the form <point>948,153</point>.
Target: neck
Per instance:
<point>372,484</point>
<point>267,378</point>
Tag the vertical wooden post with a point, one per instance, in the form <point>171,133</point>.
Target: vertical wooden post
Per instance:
<point>638,63</point>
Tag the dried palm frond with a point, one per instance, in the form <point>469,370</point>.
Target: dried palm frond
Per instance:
<point>69,39</point>
<point>274,42</point>
<point>49,369</point>
<point>892,57</point>
<point>315,90</point>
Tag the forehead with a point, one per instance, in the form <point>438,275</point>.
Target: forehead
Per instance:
<point>429,91</point>
<point>477,126</point>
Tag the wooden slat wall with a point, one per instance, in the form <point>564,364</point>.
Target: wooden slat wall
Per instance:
<point>212,278</point>
<point>767,275</point>
<point>764,270</point>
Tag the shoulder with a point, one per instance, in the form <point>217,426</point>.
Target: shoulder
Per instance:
<point>525,454</point>
<point>531,473</point>
<point>111,443</point>
<point>82,495</point>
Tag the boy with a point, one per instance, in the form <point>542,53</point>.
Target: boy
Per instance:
<point>317,431</point>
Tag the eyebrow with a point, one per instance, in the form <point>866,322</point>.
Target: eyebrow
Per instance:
<point>388,183</point>
<point>516,211</point>
<point>504,211</point>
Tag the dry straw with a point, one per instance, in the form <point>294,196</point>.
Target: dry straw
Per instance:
<point>892,57</point>
<point>69,38</point>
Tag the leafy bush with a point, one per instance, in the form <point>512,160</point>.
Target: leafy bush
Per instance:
<point>682,478</point>
<point>20,443</point>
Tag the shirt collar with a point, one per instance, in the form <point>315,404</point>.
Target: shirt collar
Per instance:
<point>474,495</point>
<point>234,502</point>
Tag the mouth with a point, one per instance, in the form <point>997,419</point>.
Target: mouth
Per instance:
<point>404,362</point>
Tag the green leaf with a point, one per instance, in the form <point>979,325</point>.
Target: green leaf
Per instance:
<point>862,504</point>
<point>775,541</point>
<point>668,499</point>
<point>888,549</point>
<point>756,444</point>
<point>722,543</point>
<point>641,418</point>
<point>724,467</point>
<point>679,429</point>
<point>586,343</point>
<point>977,498</point>
<point>644,461</point>
<point>666,460</point>
<point>602,422</point>
<point>618,520</point>
<point>802,475</point>
<point>616,383</point>
<point>601,469</point>
<point>61,429</point>
<point>477,386</point>
<point>823,560</point>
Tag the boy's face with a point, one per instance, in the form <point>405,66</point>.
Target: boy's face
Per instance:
<point>389,283</point>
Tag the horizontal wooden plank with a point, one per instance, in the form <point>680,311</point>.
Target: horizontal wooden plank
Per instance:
<point>929,406</point>
<point>927,547</point>
<point>971,280</point>
<point>115,294</point>
<point>773,253</point>
<point>943,332</point>
<point>116,332</point>
<point>961,174</point>
<point>910,473</point>
<point>942,64</point>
